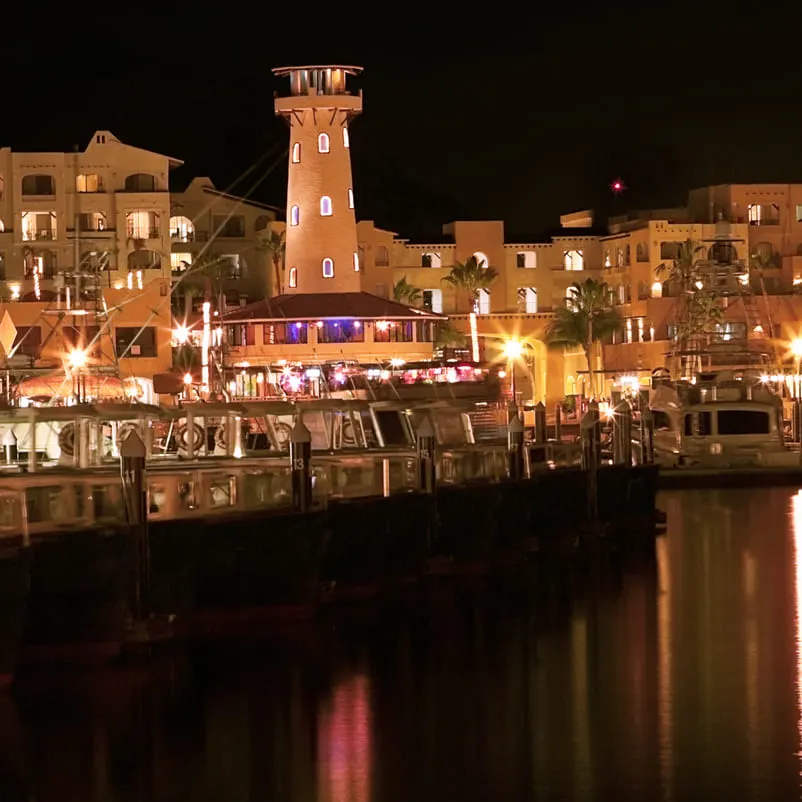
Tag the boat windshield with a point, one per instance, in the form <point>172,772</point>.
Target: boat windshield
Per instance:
<point>743,421</point>
<point>728,422</point>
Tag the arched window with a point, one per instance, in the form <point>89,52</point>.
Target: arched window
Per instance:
<point>642,252</point>
<point>382,256</point>
<point>325,206</point>
<point>323,143</point>
<point>350,198</point>
<point>346,138</point>
<point>182,229</point>
<point>296,153</point>
<point>766,255</point>
<point>481,259</point>
<point>356,262</point>
<point>38,185</point>
<point>574,260</point>
<point>295,216</point>
<point>140,182</point>
<point>293,277</point>
<point>144,260</point>
<point>328,268</point>
<point>2,227</point>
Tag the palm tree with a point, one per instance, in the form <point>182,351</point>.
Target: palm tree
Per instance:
<point>587,317</point>
<point>207,272</point>
<point>471,277</point>
<point>275,246</point>
<point>448,337</point>
<point>406,293</point>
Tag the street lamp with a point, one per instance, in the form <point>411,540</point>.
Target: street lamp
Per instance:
<point>77,358</point>
<point>513,350</point>
<point>181,335</point>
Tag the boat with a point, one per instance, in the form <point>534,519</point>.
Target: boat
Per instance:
<point>720,420</point>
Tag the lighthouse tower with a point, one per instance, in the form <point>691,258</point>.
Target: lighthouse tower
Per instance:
<point>321,254</point>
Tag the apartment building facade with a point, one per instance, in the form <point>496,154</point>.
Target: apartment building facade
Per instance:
<point>84,258</point>
<point>226,233</point>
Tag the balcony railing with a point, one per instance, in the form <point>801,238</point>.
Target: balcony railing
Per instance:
<point>39,234</point>
<point>144,233</point>
<point>182,236</point>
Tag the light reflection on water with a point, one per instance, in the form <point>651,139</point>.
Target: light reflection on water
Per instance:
<point>679,678</point>
<point>796,513</point>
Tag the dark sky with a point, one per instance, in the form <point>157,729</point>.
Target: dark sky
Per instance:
<point>488,116</point>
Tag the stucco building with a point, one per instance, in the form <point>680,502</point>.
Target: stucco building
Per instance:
<point>225,232</point>
<point>84,257</point>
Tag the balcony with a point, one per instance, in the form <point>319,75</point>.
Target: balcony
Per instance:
<point>182,236</point>
<point>144,233</point>
<point>91,233</point>
<point>36,235</point>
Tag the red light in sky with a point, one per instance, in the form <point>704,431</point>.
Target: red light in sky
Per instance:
<point>617,186</point>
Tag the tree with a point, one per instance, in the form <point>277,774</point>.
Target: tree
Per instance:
<point>470,277</point>
<point>275,246</point>
<point>405,293</point>
<point>697,311</point>
<point>587,317</point>
<point>449,337</point>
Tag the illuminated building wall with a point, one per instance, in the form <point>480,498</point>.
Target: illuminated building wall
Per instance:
<point>208,224</point>
<point>112,197</point>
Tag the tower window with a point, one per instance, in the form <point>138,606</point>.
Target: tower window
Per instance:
<point>356,262</point>
<point>350,198</point>
<point>323,143</point>
<point>325,206</point>
<point>293,277</point>
<point>295,216</point>
<point>296,153</point>
<point>328,268</point>
<point>346,138</point>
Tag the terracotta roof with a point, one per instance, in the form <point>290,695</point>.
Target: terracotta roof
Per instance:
<point>327,306</point>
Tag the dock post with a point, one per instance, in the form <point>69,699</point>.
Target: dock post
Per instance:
<point>10,447</point>
<point>427,457</point>
<point>558,422</point>
<point>646,436</point>
<point>515,448</point>
<point>540,423</point>
<point>591,452</point>
<point>622,434</point>
<point>132,470</point>
<point>301,466</point>
<point>796,422</point>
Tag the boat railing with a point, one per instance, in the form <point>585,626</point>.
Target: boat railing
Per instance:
<point>465,464</point>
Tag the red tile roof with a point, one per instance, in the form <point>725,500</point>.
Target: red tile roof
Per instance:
<point>328,306</point>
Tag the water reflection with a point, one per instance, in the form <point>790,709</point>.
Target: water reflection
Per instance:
<point>344,748</point>
<point>796,514</point>
<point>677,677</point>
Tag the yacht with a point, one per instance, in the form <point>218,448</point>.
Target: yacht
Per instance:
<point>722,420</point>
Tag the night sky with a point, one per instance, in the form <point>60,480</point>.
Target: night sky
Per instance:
<point>484,116</point>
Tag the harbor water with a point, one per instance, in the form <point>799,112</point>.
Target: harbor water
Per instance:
<point>674,676</point>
